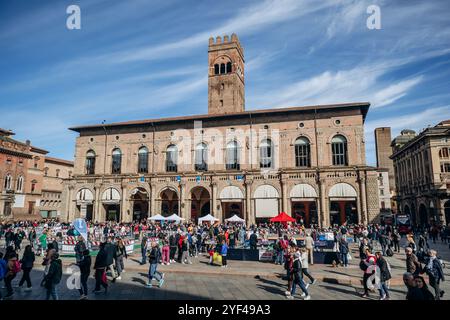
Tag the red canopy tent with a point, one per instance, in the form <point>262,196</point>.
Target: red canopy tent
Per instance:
<point>282,217</point>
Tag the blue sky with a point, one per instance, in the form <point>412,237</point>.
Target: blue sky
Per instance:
<point>141,59</point>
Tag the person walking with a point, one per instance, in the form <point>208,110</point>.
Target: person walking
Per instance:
<point>119,253</point>
<point>185,252</point>
<point>421,284</point>
<point>412,263</point>
<point>368,269</point>
<point>12,269</point>
<point>27,262</point>
<point>304,261</point>
<point>165,252</point>
<point>435,274</point>
<point>223,253</point>
<point>154,256</point>
<point>110,250</point>
<point>85,269</point>
<point>414,293</point>
<point>288,265</point>
<point>53,277</point>
<point>173,247</point>
<point>297,271</point>
<point>385,275</point>
<point>144,246</point>
<point>396,240</point>
<point>100,266</point>
<point>80,247</point>
<point>309,245</point>
<point>344,250</point>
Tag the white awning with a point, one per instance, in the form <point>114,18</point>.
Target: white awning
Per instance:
<point>174,217</point>
<point>266,191</point>
<point>157,217</point>
<point>207,218</point>
<point>111,195</point>
<point>235,218</point>
<point>303,191</point>
<point>230,193</point>
<point>342,190</point>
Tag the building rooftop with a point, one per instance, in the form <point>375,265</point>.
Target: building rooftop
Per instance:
<point>59,161</point>
<point>363,105</point>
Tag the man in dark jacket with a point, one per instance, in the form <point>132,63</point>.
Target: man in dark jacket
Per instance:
<point>85,268</point>
<point>110,249</point>
<point>80,247</point>
<point>253,240</point>
<point>435,273</point>
<point>412,263</point>
<point>53,277</point>
<point>153,258</point>
<point>385,275</point>
<point>414,293</point>
<point>144,243</point>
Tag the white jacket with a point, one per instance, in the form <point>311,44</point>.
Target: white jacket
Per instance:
<point>304,260</point>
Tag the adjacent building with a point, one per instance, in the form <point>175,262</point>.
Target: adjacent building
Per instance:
<point>55,171</point>
<point>383,152</point>
<point>23,183</point>
<point>422,174</point>
<point>307,161</point>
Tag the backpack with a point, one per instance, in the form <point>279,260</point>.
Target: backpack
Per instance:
<point>389,252</point>
<point>363,266</point>
<point>17,267</point>
<point>2,269</point>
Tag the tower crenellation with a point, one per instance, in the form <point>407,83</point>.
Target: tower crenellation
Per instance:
<point>226,86</point>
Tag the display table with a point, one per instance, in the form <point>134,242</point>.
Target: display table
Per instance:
<point>243,254</point>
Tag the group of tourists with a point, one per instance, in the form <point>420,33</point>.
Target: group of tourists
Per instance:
<point>169,243</point>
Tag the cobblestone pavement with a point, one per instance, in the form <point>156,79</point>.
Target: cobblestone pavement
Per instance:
<point>251,280</point>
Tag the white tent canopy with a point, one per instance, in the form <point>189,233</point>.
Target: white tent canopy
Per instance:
<point>235,218</point>
<point>174,217</point>
<point>207,218</point>
<point>157,218</point>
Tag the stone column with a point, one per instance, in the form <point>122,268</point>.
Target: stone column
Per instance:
<point>364,201</point>
<point>249,214</point>
<point>183,200</point>
<point>67,204</point>
<point>153,210</point>
<point>324,205</point>
<point>284,199</point>
<point>214,211</point>
<point>98,210</point>
<point>359,203</point>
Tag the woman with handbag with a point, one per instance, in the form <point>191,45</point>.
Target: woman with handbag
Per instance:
<point>100,269</point>
<point>13,268</point>
<point>27,262</point>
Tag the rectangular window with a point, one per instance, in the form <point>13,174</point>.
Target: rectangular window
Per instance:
<point>143,162</point>
<point>302,158</point>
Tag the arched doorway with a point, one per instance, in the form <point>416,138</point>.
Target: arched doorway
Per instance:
<point>343,209</point>
<point>169,202</point>
<point>200,203</point>
<point>423,215</point>
<point>447,212</point>
<point>267,203</point>
<point>232,200</point>
<point>304,204</point>
<point>140,199</point>
<point>85,207</point>
<point>111,204</point>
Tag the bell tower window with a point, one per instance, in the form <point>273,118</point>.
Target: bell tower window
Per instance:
<point>222,68</point>
<point>229,67</point>
<point>216,69</point>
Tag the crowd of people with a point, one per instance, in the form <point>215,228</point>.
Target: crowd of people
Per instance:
<point>169,243</point>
